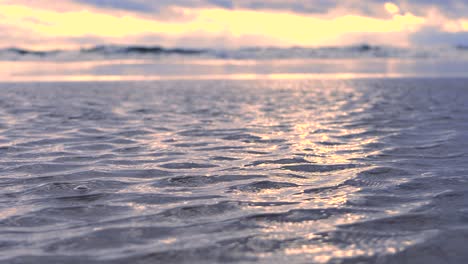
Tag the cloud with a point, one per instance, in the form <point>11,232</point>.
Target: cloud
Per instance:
<point>129,5</point>
<point>223,23</point>
<point>451,8</point>
<point>432,36</point>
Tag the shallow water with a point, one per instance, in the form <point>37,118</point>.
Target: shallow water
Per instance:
<point>304,171</point>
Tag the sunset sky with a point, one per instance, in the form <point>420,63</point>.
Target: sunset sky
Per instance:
<point>51,24</point>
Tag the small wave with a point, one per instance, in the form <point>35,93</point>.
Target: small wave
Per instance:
<point>279,161</point>
<point>198,181</point>
<point>155,199</point>
<point>189,212</point>
<point>187,165</point>
<point>263,185</point>
<point>319,168</point>
<point>300,215</point>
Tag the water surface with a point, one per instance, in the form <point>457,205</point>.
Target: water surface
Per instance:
<point>205,171</point>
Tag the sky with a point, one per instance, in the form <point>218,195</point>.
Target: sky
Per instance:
<point>52,24</point>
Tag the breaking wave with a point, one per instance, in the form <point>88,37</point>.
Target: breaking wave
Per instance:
<point>119,52</point>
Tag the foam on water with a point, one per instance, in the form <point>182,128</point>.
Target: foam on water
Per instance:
<point>304,171</point>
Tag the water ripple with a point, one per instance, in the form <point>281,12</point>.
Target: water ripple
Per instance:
<point>349,171</point>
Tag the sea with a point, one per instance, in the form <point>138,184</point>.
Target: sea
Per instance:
<point>137,154</point>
